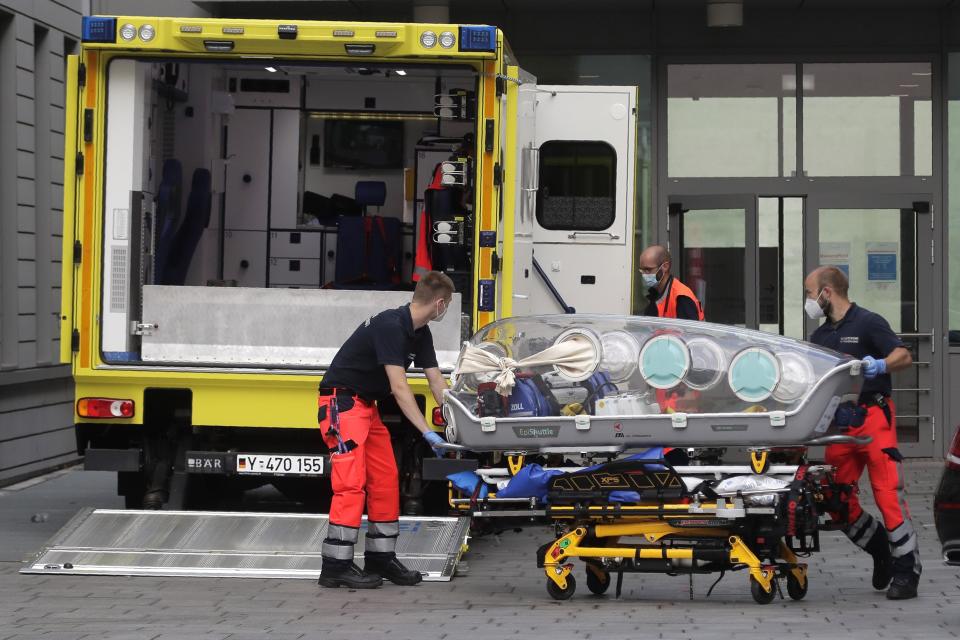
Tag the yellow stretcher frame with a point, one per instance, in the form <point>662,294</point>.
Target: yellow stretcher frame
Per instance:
<point>568,546</point>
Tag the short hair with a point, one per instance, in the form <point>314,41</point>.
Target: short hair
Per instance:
<point>834,278</point>
<point>432,286</point>
<point>661,253</point>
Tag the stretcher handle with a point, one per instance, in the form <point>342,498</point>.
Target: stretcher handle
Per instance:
<point>838,439</point>
<point>450,446</point>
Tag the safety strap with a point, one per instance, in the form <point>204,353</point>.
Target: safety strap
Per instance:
<point>879,400</point>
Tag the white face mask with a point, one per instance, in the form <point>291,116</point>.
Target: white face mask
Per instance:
<point>651,280</point>
<point>440,314</point>
<point>813,308</point>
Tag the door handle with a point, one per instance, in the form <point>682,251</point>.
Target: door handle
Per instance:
<point>916,335</point>
<point>612,236</point>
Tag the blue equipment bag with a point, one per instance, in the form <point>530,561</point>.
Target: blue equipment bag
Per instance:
<point>529,399</point>
<point>467,481</point>
<point>532,481</point>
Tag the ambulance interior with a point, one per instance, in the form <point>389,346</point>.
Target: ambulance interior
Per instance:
<point>275,175</point>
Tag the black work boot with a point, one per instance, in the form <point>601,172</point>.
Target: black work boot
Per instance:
<point>344,573</point>
<point>879,547</point>
<point>388,566</point>
<point>903,587</point>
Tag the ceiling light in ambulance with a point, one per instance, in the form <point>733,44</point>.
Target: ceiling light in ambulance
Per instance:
<point>128,32</point>
<point>271,69</point>
<point>428,39</point>
<point>104,408</point>
<point>400,72</point>
<point>147,32</point>
<point>447,39</point>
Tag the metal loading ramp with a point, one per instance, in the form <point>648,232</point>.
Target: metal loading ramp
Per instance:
<point>229,545</point>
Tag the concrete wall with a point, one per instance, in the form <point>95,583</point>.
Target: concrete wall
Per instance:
<point>36,431</point>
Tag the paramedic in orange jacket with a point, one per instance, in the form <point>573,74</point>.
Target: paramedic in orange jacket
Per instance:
<point>668,298</point>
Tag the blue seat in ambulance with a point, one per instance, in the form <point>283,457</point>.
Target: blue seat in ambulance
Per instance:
<point>195,220</point>
<point>167,215</point>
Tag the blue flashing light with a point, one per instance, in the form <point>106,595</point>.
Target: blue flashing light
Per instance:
<point>478,38</point>
<point>97,29</point>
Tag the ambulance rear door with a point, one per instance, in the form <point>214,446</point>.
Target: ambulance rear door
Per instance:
<point>584,213</point>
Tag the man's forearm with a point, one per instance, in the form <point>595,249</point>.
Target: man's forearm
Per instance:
<point>898,359</point>
<point>437,390</point>
<point>408,406</point>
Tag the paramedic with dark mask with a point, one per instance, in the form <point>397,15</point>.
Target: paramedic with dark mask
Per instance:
<point>371,365</point>
<point>853,330</point>
<point>667,296</point>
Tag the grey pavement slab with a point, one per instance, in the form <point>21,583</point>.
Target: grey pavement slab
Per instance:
<point>502,596</point>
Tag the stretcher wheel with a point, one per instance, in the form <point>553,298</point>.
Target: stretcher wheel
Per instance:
<point>598,580</point>
<point>761,596</point>
<point>794,589</point>
<point>561,594</point>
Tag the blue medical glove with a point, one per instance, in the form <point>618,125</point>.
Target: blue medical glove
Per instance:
<point>434,438</point>
<point>872,367</point>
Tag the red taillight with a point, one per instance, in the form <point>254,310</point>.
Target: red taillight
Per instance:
<point>438,420</point>
<point>953,456</point>
<point>104,408</point>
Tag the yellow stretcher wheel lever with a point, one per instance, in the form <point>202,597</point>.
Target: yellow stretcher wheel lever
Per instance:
<point>514,464</point>
<point>760,461</point>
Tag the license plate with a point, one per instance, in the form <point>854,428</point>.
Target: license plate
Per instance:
<point>264,463</point>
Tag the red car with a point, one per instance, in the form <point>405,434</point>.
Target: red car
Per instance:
<point>946,505</point>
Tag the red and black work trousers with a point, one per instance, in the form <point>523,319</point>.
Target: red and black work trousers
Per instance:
<point>364,475</point>
<point>882,460</point>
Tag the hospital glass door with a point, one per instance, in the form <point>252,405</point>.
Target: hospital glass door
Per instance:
<point>884,244</point>
<point>743,257</point>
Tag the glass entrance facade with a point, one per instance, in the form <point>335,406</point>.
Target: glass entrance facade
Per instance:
<point>820,154</point>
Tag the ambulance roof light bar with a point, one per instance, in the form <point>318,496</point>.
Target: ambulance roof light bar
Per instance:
<point>98,29</point>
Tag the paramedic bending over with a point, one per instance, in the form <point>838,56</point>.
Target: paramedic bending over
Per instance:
<point>863,334</point>
<point>371,365</point>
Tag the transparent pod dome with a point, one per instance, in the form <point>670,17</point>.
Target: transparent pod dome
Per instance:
<point>633,365</point>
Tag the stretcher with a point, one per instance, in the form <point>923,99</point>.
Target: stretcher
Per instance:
<point>761,517</point>
<point>570,390</point>
<point>544,383</point>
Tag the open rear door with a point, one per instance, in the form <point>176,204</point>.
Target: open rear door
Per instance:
<point>584,213</point>
<point>70,180</point>
<point>520,191</point>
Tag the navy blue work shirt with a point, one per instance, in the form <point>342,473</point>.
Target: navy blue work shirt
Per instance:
<point>861,333</point>
<point>387,338</point>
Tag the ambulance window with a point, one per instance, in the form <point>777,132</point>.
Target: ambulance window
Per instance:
<point>577,182</point>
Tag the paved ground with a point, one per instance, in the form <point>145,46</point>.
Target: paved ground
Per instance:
<point>503,594</point>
